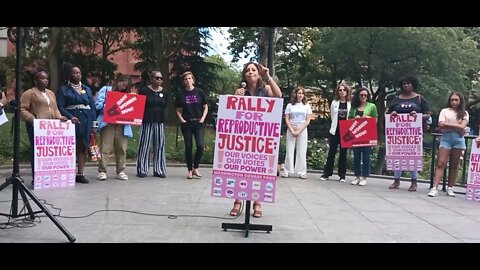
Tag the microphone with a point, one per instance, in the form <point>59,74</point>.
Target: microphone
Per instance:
<point>243,85</point>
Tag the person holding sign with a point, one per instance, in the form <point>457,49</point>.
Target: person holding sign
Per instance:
<point>75,101</point>
<point>452,122</point>
<point>297,117</point>
<point>408,101</point>
<point>38,103</point>
<point>152,127</point>
<point>256,81</point>
<point>362,108</point>
<point>113,137</point>
<point>192,108</point>
<point>339,111</point>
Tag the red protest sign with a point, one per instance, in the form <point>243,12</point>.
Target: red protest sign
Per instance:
<point>358,132</point>
<point>124,108</point>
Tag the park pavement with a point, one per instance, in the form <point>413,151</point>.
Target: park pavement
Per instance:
<point>305,211</point>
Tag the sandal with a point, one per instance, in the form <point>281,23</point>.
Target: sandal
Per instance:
<point>395,185</point>
<point>413,186</point>
<point>257,210</point>
<point>196,173</point>
<point>235,210</point>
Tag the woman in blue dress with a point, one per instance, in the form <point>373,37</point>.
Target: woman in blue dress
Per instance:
<point>75,101</point>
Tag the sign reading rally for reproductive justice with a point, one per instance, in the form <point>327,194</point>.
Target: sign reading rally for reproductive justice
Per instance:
<point>473,182</point>
<point>358,132</point>
<point>124,108</point>
<point>246,148</point>
<point>54,154</point>
<point>404,142</point>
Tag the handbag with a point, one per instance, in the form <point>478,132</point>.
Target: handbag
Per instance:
<point>93,148</point>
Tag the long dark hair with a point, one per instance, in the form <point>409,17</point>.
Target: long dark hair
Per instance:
<point>336,95</point>
<point>260,82</point>
<point>461,107</point>
<point>356,96</point>
<point>293,96</point>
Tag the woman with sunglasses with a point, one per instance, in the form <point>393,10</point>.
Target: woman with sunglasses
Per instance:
<point>152,128</point>
<point>362,108</point>
<point>408,101</point>
<point>339,111</point>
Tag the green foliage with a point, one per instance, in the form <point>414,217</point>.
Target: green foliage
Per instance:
<point>174,145</point>
<point>6,142</point>
<point>227,79</point>
<point>317,151</point>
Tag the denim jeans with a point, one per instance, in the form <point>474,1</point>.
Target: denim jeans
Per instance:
<point>361,161</point>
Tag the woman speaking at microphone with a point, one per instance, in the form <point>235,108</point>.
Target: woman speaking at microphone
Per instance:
<point>256,81</point>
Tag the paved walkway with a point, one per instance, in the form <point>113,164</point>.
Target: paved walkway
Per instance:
<point>305,211</point>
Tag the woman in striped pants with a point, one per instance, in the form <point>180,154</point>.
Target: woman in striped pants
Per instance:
<point>153,127</point>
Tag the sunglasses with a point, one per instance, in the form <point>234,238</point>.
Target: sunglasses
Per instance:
<point>158,78</point>
<point>342,89</point>
<point>363,95</point>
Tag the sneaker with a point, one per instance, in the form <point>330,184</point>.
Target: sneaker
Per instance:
<point>363,181</point>
<point>324,178</point>
<point>433,192</point>
<point>303,176</point>
<point>102,176</point>
<point>450,192</point>
<point>356,181</point>
<point>342,179</point>
<point>141,175</point>
<point>284,175</point>
<point>122,176</point>
<point>160,175</point>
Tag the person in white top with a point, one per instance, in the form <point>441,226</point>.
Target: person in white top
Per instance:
<point>452,122</point>
<point>297,117</point>
<point>339,110</point>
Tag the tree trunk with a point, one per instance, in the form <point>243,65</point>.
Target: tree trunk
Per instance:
<point>271,50</point>
<point>53,52</point>
<point>380,103</point>
<point>160,45</point>
<point>263,46</point>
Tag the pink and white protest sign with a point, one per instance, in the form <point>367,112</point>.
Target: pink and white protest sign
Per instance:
<point>473,181</point>
<point>54,154</point>
<point>246,147</point>
<point>404,142</point>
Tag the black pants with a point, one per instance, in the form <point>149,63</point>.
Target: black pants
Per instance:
<point>196,129</point>
<point>334,141</point>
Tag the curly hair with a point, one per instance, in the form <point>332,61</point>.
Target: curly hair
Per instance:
<point>336,95</point>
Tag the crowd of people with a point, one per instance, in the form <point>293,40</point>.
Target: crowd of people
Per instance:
<point>77,103</point>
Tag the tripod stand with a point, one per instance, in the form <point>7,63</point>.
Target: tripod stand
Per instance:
<point>17,183</point>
